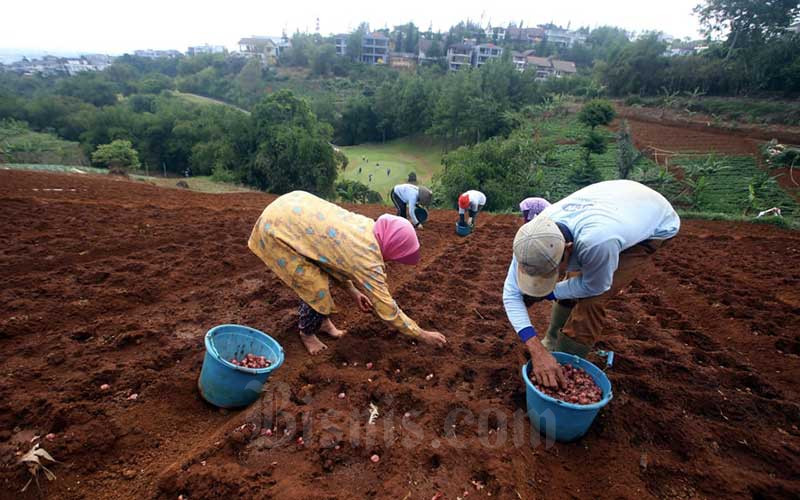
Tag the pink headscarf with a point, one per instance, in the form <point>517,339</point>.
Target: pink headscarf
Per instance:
<point>397,239</point>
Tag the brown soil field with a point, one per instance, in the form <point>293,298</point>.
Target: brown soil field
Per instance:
<point>704,123</point>
<point>108,281</point>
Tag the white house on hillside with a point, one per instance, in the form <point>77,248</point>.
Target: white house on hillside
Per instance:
<point>564,38</point>
<point>459,56</point>
<point>485,52</point>
<point>375,48</point>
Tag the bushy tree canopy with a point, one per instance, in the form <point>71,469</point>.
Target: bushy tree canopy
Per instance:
<point>119,153</point>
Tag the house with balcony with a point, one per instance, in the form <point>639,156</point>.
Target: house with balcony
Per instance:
<point>547,67</point>
<point>375,48</point>
<point>564,38</point>
<point>157,54</point>
<point>528,36</point>
<point>266,48</point>
<point>340,42</point>
<point>485,52</point>
<point>563,68</point>
<point>519,59</point>
<point>541,65</point>
<point>459,56</point>
<point>205,49</point>
<point>495,33</point>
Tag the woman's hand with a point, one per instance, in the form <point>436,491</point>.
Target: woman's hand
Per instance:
<point>433,338</point>
<point>362,300</point>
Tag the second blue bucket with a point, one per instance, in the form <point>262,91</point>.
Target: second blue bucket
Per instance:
<point>421,214</point>
<point>560,420</point>
<point>463,230</point>
<point>226,385</point>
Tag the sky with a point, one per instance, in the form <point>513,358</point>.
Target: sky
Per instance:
<point>115,27</point>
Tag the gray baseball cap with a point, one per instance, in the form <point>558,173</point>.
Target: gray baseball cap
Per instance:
<point>538,248</point>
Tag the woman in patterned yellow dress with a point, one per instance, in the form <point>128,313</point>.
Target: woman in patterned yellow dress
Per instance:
<point>306,241</point>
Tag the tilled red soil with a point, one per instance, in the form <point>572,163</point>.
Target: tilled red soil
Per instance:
<point>115,282</point>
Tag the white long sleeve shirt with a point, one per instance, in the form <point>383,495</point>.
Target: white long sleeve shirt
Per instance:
<point>476,200</point>
<point>605,219</point>
<point>409,194</point>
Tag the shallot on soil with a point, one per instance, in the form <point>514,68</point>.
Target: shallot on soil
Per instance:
<point>580,389</point>
<point>251,361</point>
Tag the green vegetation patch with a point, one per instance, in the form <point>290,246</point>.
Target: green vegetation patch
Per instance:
<point>18,144</point>
<point>727,186</point>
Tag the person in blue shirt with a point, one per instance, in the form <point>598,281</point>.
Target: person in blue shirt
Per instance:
<point>600,238</point>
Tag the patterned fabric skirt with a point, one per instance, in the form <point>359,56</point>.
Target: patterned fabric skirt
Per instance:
<point>310,320</point>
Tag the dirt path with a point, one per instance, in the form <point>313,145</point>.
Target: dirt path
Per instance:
<point>116,282</point>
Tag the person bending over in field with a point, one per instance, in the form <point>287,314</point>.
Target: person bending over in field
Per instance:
<point>470,203</point>
<point>600,237</point>
<point>307,241</point>
<point>531,207</point>
<point>406,197</point>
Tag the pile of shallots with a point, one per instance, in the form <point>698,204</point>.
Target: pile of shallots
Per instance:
<point>251,361</point>
<point>580,388</point>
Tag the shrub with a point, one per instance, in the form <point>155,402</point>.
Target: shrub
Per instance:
<point>117,155</point>
<point>597,112</point>
<point>356,192</point>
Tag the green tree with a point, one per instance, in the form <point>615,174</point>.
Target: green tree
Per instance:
<point>356,192</point>
<point>118,153</point>
<point>505,169</point>
<point>597,112</point>
<point>637,68</point>
<point>90,87</point>
<point>747,22</point>
<point>358,123</point>
<point>324,60</point>
<point>627,154</point>
<point>249,80</point>
<point>587,172</point>
<point>155,83</point>
<point>294,150</point>
<point>355,42</point>
<point>385,109</point>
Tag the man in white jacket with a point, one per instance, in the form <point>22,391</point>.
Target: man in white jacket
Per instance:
<point>601,237</point>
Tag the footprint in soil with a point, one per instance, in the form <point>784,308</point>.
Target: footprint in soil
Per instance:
<point>700,340</point>
<point>791,346</point>
<point>659,352</point>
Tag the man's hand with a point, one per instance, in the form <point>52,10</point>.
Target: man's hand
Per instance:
<point>362,300</point>
<point>419,226</point>
<point>546,370</point>
<point>433,338</point>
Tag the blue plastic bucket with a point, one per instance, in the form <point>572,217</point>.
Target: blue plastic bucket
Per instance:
<point>421,214</point>
<point>462,230</point>
<point>560,420</point>
<point>226,385</point>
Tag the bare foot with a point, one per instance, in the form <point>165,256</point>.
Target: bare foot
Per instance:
<point>329,328</point>
<point>313,345</point>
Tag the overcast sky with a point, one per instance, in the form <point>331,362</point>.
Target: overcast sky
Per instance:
<point>114,27</point>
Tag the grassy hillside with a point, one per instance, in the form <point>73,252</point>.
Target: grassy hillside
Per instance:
<point>18,144</point>
<point>199,99</point>
<point>401,156</point>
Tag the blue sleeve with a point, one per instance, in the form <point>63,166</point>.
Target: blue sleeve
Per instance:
<point>597,265</point>
<point>515,305</point>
